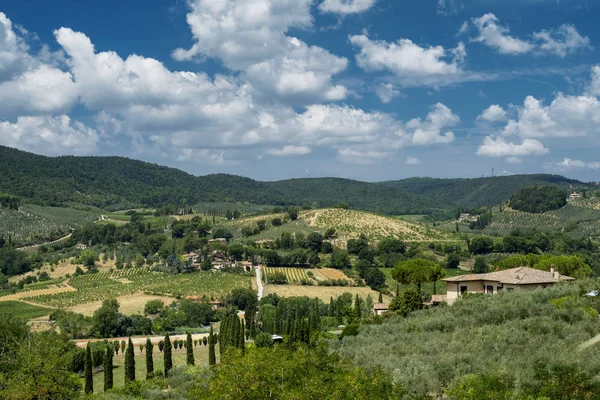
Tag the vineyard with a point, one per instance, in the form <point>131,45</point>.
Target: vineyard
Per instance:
<point>350,224</point>
<point>33,224</point>
<point>103,286</point>
<point>293,275</point>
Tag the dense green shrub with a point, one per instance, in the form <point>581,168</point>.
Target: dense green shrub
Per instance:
<point>538,199</point>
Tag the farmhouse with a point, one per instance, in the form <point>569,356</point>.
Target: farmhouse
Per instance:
<point>380,308</point>
<point>494,282</point>
<point>574,196</point>
<point>80,246</point>
<point>465,217</point>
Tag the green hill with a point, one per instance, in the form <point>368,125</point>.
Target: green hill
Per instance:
<point>477,192</point>
<point>118,183</point>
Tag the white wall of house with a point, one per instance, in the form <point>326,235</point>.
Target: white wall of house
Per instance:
<point>454,290</point>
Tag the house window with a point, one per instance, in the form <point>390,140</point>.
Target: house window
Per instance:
<point>510,289</point>
<point>463,289</point>
<point>490,289</point>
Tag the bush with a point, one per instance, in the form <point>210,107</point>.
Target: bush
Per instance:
<point>263,339</point>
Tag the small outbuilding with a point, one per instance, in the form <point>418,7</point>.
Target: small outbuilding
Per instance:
<point>380,308</point>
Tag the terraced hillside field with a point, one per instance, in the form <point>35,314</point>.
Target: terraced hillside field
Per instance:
<point>33,224</point>
<point>91,288</point>
<point>350,224</point>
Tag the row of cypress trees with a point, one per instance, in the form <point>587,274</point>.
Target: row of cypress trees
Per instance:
<point>130,360</point>
<point>232,334</point>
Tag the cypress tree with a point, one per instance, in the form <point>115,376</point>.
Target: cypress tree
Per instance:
<point>122,347</point>
<point>168,358</point>
<point>108,369</point>
<point>116,346</point>
<point>234,338</point>
<point>277,328</point>
<point>129,362</point>
<point>242,339</point>
<point>331,307</point>
<point>161,344</point>
<point>380,300</point>
<point>205,340</point>
<point>87,371</point>
<point>190,349</point>
<point>212,359</point>
<point>149,359</point>
<point>222,334</point>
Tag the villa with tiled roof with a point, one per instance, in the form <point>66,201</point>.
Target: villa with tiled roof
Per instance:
<point>507,280</point>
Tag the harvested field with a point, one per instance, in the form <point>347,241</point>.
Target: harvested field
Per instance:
<point>328,274</point>
<point>130,305</point>
<point>322,292</point>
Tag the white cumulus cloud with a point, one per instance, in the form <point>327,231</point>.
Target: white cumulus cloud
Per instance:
<point>345,7</point>
<point>49,135</point>
<point>493,113</point>
<point>499,147</point>
<point>561,41</point>
<point>386,92</point>
<point>413,161</point>
<point>289,151</point>
<point>411,63</point>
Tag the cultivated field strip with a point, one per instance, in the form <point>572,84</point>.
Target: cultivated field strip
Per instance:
<point>103,286</point>
<point>293,275</point>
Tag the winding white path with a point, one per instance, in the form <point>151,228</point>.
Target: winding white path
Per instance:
<point>259,283</point>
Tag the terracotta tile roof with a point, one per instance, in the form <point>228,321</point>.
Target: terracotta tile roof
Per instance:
<point>380,306</point>
<point>514,276</point>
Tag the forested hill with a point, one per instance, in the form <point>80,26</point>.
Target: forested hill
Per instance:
<point>117,182</point>
<point>476,192</point>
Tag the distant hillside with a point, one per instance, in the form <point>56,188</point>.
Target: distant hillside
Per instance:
<point>117,183</point>
<point>468,193</point>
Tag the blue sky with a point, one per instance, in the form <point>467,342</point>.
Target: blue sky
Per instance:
<point>274,89</point>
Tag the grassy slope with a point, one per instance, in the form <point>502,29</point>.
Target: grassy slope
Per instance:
<point>22,310</point>
<point>179,360</point>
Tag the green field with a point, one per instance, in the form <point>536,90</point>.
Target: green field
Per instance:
<point>179,360</point>
<point>103,286</point>
<point>22,310</point>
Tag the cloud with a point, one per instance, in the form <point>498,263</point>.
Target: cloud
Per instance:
<point>493,35</point>
<point>449,7</point>
<point>302,71</point>
<point>361,157</point>
<point>514,160</point>
<point>289,151</point>
<point>493,113</point>
<point>244,32</point>
<point>250,36</point>
<point>49,135</point>
<point>411,63</point>
<point>561,41</point>
<point>499,147</point>
<point>565,116</point>
<point>430,131</point>
<point>568,164</point>
<point>464,28</point>
<point>345,7</point>
<point>28,86</point>
<point>386,92</point>
<point>593,88</point>
<point>413,161</point>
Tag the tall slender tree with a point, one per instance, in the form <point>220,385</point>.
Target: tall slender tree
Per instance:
<point>149,359</point>
<point>168,357</point>
<point>87,371</point>
<point>242,337</point>
<point>129,362</point>
<point>108,369</point>
<point>212,358</point>
<point>190,349</point>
